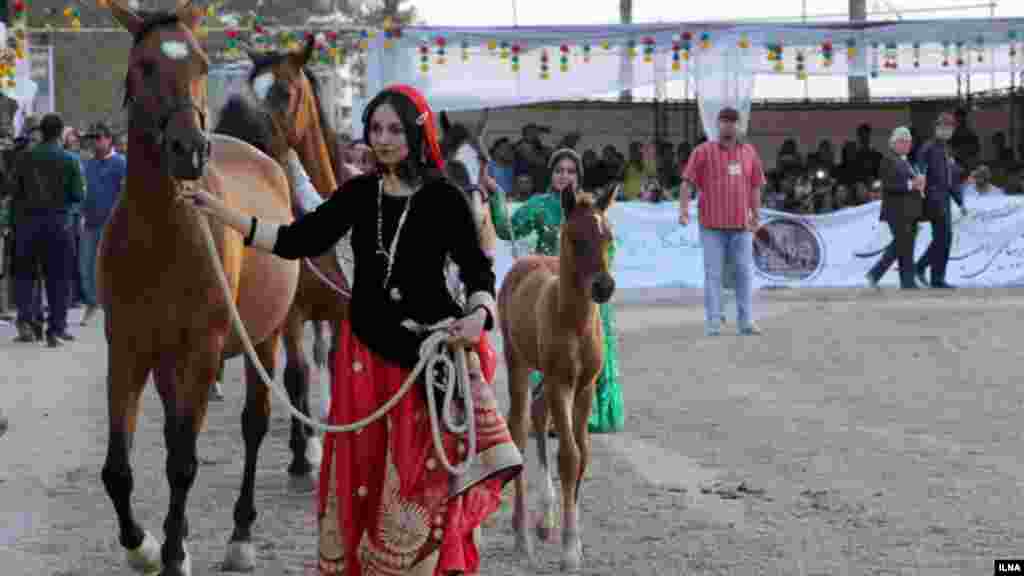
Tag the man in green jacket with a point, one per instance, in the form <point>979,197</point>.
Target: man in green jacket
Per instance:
<point>48,188</point>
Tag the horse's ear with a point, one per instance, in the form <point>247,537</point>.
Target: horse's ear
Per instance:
<point>189,14</point>
<point>481,126</point>
<point>123,14</point>
<point>605,201</point>
<point>446,123</point>
<point>302,57</point>
<point>568,200</point>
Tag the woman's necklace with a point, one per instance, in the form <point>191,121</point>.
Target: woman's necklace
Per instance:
<point>389,255</point>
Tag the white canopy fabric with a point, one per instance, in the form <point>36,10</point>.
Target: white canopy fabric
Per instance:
<point>467,68</point>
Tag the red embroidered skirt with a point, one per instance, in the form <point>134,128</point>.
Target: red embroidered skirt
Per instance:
<point>386,501</point>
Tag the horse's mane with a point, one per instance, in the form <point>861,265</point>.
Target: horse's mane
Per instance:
<point>260,62</point>
<point>241,119</point>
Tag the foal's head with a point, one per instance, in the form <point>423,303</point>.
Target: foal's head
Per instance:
<point>165,86</point>
<point>289,90</point>
<point>586,235</point>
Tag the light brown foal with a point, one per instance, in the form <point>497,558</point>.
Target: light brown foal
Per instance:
<point>548,311</point>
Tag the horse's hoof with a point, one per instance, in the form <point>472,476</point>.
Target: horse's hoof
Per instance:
<point>303,484</point>
<point>185,569</point>
<point>572,557</point>
<point>240,557</point>
<point>146,558</point>
<point>314,451</point>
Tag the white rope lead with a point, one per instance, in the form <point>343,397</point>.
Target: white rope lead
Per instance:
<point>432,353</point>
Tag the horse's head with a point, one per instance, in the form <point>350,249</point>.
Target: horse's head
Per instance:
<point>283,84</point>
<point>165,86</point>
<point>465,143</point>
<point>586,236</point>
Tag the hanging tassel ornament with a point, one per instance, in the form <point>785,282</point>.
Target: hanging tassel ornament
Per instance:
<point>515,57</point>
<point>676,47</point>
<point>687,44</point>
<point>564,58</point>
<point>851,49</point>
<point>945,54</point>
<point>801,70</point>
<point>980,42</point>
<point>631,46</point>
<point>465,50</point>
<point>917,54</point>
<point>586,52</point>
<point>874,59</point>
<point>424,58</point>
<point>492,45</point>
<point>648,49</point>
<point>504,50</point>
<point>891,56</point>
<point>744,41</point>
<point>364,41</point>
<point>606,45</point>
<point>1012,35</point>
<point>827,53</point>
<point>441,50</point>
<point>544,65</point>
<point>775,55</point>
<point>960,54</point>
<point>705,40</point>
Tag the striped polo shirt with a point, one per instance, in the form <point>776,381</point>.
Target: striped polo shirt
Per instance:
<point>727,178</point>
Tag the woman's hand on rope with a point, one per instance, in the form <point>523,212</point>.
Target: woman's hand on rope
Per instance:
<point>466,331</point>
<point>202,200</point>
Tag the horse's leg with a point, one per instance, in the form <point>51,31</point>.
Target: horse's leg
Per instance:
<point>185,404</point>
<point>561,401</point>
<point>584,405</point>
<point>541,421</point>
<point>296,381</point>
<point>518,423</point>
<point>126,378</point>
<point>241,556</point>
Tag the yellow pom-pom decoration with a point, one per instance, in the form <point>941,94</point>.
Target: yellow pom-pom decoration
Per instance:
<point>515,67</point>
<point>778,67</point>
<point>606,45</point>
<point>76,24</point>
<point>103,3</point>
<point>492,44</point>
<point>424,67</point>
<point>388,44</point>
<point>363,45</point>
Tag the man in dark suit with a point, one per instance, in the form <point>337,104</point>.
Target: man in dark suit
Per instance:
<point>902,205</point>
<point>943,184</point>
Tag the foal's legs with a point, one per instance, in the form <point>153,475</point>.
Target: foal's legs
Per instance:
<point>561,402</point>
<point>126,379</point>
<point>541,421</point>
<point>241,556</point>
<point>185,396</point>
<point>296,381</point>
<point>518,423</point>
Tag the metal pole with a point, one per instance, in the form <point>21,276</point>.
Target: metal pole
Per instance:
<point>515,13</point>
<point>991,51</point>
<point>803,18</point>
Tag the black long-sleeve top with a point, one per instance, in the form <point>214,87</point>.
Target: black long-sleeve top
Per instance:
<point>439,224</point>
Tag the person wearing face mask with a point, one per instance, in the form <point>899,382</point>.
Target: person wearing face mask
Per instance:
<point>542,215</point>
<point>386,502</point>
<point>902,194</point>
<point>935,161</point>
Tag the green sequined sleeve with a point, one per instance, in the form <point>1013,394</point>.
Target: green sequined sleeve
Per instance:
<point>499,214</point>
<point>526,220</point>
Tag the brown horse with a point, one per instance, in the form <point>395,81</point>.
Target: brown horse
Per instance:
<point>291,94</point>
<point>164,309</point>
<point>548,310</point>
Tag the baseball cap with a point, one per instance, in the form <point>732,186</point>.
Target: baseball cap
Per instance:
<point>729,113</point>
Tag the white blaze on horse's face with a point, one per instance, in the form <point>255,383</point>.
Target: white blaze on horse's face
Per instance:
<point>261,85</point>
<point>174,49</point>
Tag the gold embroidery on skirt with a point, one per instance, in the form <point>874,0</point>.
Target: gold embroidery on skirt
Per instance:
<point>403,531</point>
<point>332,553</point>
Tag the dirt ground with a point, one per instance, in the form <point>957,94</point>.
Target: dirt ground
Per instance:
<point>864,433</point>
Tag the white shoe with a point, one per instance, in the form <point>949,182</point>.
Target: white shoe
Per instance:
<point>215,392</point>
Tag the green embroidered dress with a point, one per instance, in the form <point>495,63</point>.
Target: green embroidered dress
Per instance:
<point>542,216</point>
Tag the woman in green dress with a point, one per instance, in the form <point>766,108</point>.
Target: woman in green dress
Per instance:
<point>542,215</point>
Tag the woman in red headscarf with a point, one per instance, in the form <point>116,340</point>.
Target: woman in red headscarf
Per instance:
<point>387,504</point>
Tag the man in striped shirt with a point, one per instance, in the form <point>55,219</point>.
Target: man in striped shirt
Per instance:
<point>729,175</point>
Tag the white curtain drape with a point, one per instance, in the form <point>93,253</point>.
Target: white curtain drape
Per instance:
<point>723,76</point>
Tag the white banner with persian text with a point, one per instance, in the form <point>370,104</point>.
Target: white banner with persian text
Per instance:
<point>830,250</point>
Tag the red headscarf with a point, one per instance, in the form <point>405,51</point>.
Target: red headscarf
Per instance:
<point>426,120</point>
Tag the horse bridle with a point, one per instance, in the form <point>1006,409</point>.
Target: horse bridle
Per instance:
<point>156,127</point>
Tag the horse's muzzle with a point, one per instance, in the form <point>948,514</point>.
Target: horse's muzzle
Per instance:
<point>602,287</point>
<point>187,159</point>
